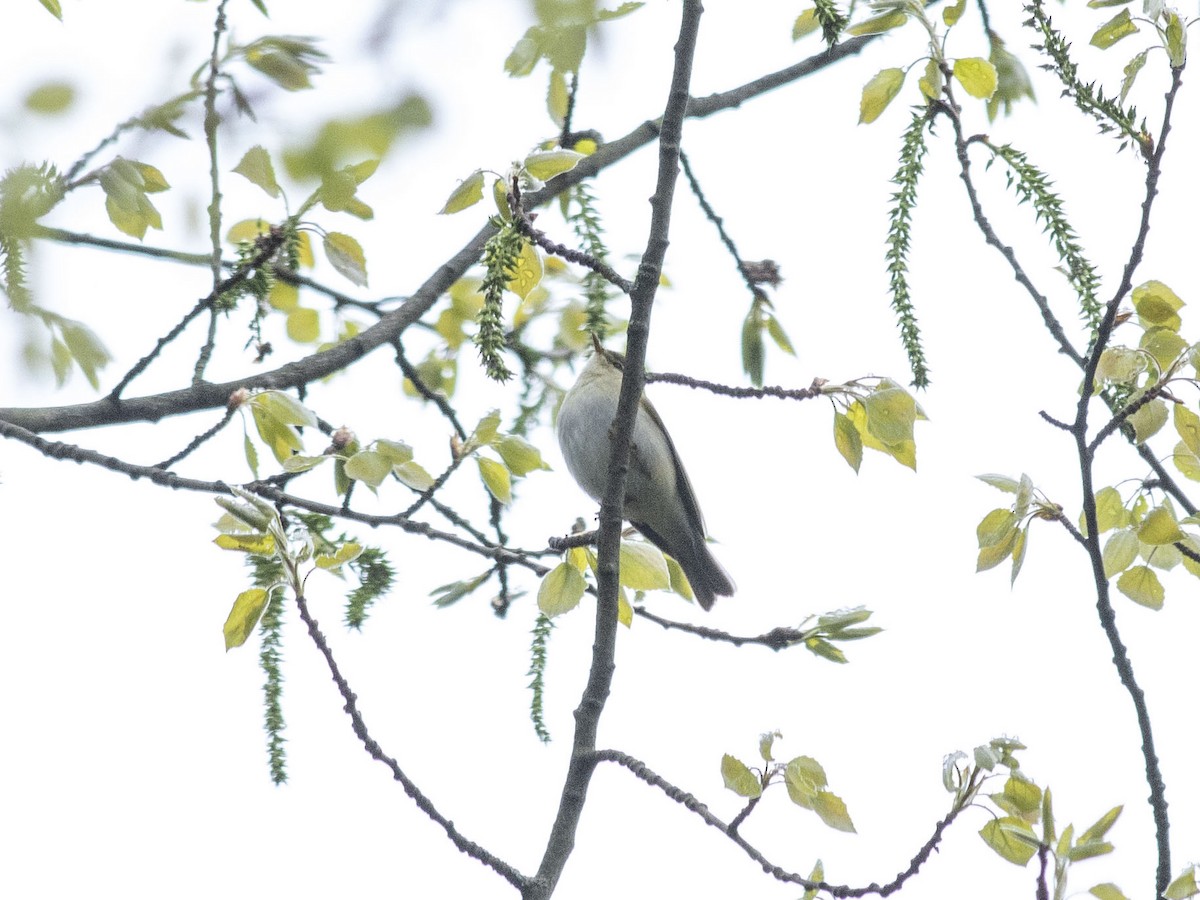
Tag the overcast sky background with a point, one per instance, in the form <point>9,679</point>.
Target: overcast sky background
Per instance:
<point>134,756</point>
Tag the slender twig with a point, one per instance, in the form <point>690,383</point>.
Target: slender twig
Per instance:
<point>211,123</point>
<point>776,639</point>
<point>198,440</point>
<point>689,802</point>
<point>579,257</point>
<point>423,803</point>
<point>781,393</point>
<point>718,223</point>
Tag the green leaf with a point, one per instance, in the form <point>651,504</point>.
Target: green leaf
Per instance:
<point>496,479</point>
<point>1131,72</point>
<point>1018,553</point>
<point>557,98</point>
<point>996,527</point>
<point>994,554</point>
<point>89,352</point>
<point>1148,420</point>
<point>246,611</point>
<point>451,593</point>
<point>806,23</point>
<point>951,14</point>
<point>297,464</point>
<point>561,590</point>
<point>977,76</point>
<point>879,24</point>
<point>545,164</point>
<point>485,432</point>
<point>396,452</point>
<point>1176,39</point>
<point>643,567</point>
<point>468,193</point>
<point>50,98</point>
<point>1187,424</point>
<point>765,743</point>
<point>1010,837</point>
<point>284,408</point>
<point>518,454</point>
<point>1118,27</point>
<point>778,335</point>
<point>347,552</point>
<point>1157,304</point>
<point>1110,509</point>
<point>527,273</point>
<point>1097,831</point>
<point>1160,527</point>
<point>1186,461</point>
<point>930,82</point>
<point>1120,551</point>
<point>832,811</point>
<point>1120,365</point>
<point>1141,585</point>
<point>256,168</point>
<point>891,413</point>
<point>753,348</point>
<point>1184,886</point>
<point>369,467</point>
<point>1001,482</point>
<point>54,7</point>
<point>413,475</point>
<point>1165,345</point>
<point>251,455</point>
<point>739,778</point>
<point>304,325</point>
<point>878,93</point>
<point>847,440</point>
<point>1107,891</point>
<point>347,257</point>
<point>1089,850</point>
<point>804,777</point>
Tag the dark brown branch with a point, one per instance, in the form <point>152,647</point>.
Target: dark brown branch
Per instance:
<point>595,695</point>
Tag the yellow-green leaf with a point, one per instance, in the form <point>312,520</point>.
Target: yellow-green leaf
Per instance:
<point>996,526</point>
<point>878,93</point>
<point>1160,527</point>
<point>518,454</point>
<point>246,611</point>
<point>1118,27</point>
<point>1141,585</point>
<point>257,544</point>
<point>847,440</point>
<point>283,296</point>
<point>247,230</point>
<point>54,7</point>
<point>1110,509</point>
<point>930,83</point>
<point>832,811</point>
<point>557,98</point>
<point>545,164</point>
<point>1165,345</point>
<point>977,76</point>
<point>806,23</point>
<point>1176,35</point>
<point>1120,550</point>
<point>413,475</point>
<point>1148,420</point>
<point>1187,424</point>
<point>524,276</point>
<point>642,567</point>
<point>50,98</point>
<point>256,168</point>
<point>891,413</point>
<point>951,14</point>
<point>561,590</point>
<point>1010,837</point>
<point>466,194</point>
<point>345,254</point>
<point>347,552</point>
<point>1103,824</point>
<point>1157,304</point>
<point>1184,886</point>
<point>369,467</point>
<point>738,777</point>
<point>495,478</point>
<point>879,24</point>
<point>304,325</point>
<point>1107,891</point>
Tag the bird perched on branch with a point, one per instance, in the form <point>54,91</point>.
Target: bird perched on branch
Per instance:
<point>659,500</point>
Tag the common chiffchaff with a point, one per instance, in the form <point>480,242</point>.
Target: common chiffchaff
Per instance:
<point>659,501</point>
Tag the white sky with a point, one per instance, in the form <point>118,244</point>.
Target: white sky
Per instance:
<point>134,763</point>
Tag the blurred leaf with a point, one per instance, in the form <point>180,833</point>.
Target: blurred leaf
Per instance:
<point>50,98</point>
<point>303,325</point>
<point>345,254</point>
<point>496,479</point>
<point>256,168</point>
<point>468,193</point>
<point>642,567</point>
<point>1118,27</point>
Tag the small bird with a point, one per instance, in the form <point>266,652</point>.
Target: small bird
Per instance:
<point>659,501</point>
